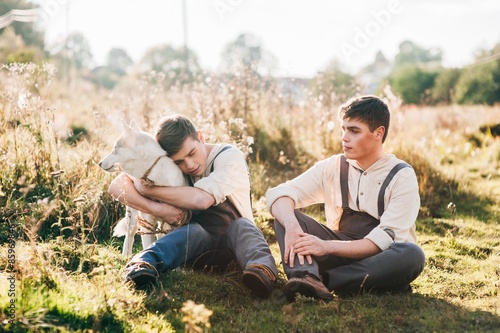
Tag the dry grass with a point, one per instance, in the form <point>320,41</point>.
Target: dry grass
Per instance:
<point>68,266</point>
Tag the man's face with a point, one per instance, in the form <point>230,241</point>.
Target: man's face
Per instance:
<point>192,157</point>
<point>358,141</point>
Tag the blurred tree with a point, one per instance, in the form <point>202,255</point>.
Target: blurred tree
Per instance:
<point>29,32</point>
<point>380,63</point>
<point>118,61</point>
<point>411,53</point>
<point>372,75</point>
<point>73,52</point>
<point>413,83</point>
<point>480,82</point>
<point>414,72</point>
<point>444,86</point>
<point>477,85</point>
<point>72,56</point>
<point>248,52</point>
<point>179,65</point>
<point>488,56</point>
<point>78,50</point>
<point>105,77</point>
<point>333,86</point>
<point>117,65</point>
<point>329,89</point>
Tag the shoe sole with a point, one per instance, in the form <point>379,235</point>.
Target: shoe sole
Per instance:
<point>256,285</point>
<point>142,281</point>
<point>292,289</point>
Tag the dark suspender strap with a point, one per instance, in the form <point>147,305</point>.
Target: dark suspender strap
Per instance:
<point>220,151</point>
<point>212,167</point>
<point>344,187</point>
<point>213,161</point>
<point>386,182</point>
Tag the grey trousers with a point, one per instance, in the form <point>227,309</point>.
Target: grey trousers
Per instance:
<point>391,270</point>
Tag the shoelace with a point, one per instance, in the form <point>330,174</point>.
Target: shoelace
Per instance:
<point>145,265</point>
<point>266,271</point>
<point>305,275</point>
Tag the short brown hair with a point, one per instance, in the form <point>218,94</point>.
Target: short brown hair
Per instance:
<point>369,109</point>
<point>172,131</point>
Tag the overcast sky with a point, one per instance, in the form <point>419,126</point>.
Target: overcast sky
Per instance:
<point>303,35</point>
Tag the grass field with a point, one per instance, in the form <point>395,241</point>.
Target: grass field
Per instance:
<point>55,210</point>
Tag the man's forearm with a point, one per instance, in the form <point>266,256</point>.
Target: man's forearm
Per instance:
<point>180,196</point>
<point>123,190</point>
<point>356,249</point>
<point>283,209</point>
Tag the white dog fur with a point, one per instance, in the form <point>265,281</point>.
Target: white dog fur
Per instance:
<point>138,154</point>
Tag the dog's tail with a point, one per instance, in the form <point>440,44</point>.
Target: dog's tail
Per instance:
<point>121,227</point>
<point>127,225</point>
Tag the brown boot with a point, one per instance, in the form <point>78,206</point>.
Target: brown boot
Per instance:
<point>307,285</point>
<point>259,279</point>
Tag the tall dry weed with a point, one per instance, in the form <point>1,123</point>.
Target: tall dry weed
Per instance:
<point>53,186</point>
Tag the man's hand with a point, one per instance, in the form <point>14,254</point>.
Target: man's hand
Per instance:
<point>168,213</point>
<point>140,186</point>
<point>292,236</point>
<point>283,210</point>
<point>308,245</point>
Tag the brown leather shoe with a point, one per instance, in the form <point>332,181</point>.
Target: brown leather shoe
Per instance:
<point>259,279</point>
<point>308,286</point>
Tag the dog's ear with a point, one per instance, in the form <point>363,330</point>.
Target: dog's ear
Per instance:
<point>134,125</point>
<point>127,129</point>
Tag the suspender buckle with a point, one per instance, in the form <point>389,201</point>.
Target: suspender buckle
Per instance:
<point>347,210</point>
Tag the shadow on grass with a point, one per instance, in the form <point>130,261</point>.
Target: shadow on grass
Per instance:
<point>236,309</point>
<point>55,319</point>
<point>416,313</point>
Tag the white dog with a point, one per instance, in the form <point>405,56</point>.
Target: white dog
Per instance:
<point>138,154</point>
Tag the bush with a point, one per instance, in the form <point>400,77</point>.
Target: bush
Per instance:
<point>477,85</point>
<point>413,83</point>
<point>444,85</point>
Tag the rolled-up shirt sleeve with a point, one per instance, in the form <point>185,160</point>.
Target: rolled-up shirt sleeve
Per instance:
<point>306,189</point>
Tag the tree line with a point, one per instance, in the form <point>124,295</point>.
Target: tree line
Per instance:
<point>415,74</point>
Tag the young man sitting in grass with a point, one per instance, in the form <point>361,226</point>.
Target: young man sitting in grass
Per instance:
<point>371,203</point>
<point>222,224</point>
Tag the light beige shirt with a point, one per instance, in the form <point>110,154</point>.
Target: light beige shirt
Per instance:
<point>321,184</point>
<point>230,179</point>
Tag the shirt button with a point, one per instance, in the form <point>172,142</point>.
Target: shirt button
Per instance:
<point>361,193</point>
<point>365,173</point>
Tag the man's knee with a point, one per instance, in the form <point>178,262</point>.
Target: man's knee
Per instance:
<point>243,227</point>
<point>411,253</point>
<point>408,261</point>
<point>242,223</point>
<point>187,233</point>
<point>194,227</point>
<point>191,229</point>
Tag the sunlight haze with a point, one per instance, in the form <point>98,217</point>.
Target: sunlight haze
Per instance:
<point>304,36</point>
